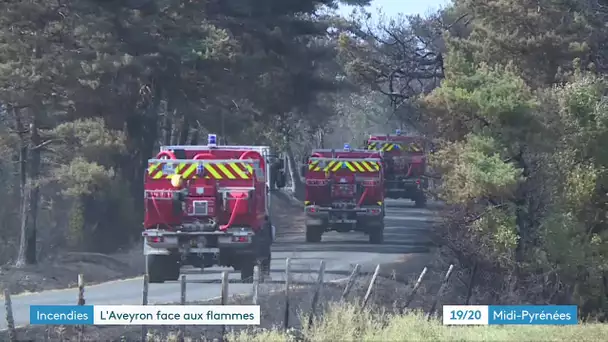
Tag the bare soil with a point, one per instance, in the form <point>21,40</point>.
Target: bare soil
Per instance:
<point>61,271</point>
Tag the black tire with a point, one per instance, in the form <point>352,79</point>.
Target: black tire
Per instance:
<point>172,268</point>
<point>420,202</point>
<point>156,268</point>
<point>266,252</point>
<point>376,234</point>
<point>247,271</point>
<point>314,234</point>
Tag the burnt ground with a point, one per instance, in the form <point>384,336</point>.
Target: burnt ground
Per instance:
<point>389,293</point>
<point>61,271</point>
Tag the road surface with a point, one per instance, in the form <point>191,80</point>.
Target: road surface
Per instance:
<point>405,233</point>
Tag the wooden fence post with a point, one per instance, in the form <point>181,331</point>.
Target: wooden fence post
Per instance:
<point>410,297</point>
<point>10,320</point>
<point>371,286</point>
<point>81,301</point>
<point>181,334</point>
<point>351,281</point>
<point>144,301</point>
<point>440,292</point>
<point>315,297</point>
<point>256,284</point>
<point>471,284</point>
<point>224,298</point>
<point>287,285</point>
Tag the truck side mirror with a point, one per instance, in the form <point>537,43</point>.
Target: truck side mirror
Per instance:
<point>281,180</point>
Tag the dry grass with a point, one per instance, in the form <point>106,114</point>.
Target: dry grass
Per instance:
<point>347,323</point>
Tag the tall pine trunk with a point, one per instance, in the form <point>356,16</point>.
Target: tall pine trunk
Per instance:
<point>29,172</point>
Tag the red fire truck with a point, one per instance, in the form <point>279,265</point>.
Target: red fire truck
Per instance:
<point>405,160</point>
<point>344,192</point>
<point>208,205</point>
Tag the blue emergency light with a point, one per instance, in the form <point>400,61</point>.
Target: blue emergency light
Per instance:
<point>346,147</point>
<point>398,132</point>
<point>212,140</point>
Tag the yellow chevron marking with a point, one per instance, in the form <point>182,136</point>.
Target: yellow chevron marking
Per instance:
<point>337,166</point>
<point>154,171</point>
<point>225,171</point>
<point>349,166</point>
<point>249,168</point>
<point>190,171</point>
<point>213,172</point>
<point>359,167</point>
<point>152,168</point>
<point>367,166</point>
<point>313,164</point>
<point>329,165</point>
<point>235,167</point>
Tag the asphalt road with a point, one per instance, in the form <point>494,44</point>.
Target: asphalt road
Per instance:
<point>405,228</point>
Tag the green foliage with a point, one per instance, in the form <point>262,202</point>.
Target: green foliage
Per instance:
<point>475,169</point>
<point>81,177</point>
<point>524,163</point>
<point>106,82</point>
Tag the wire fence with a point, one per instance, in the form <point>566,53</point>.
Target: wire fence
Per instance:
<point>285,298</point>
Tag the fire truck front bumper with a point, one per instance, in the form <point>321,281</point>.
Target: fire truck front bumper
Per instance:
<point>163,242</point>
<point>317,215</point>
<point>405,187</point>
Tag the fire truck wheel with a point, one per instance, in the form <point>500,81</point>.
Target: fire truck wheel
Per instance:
<point>314,233</point>
<point>155,268</point>
<point>247,271</point>
<point>420,202</point>
<point>172,268</point>
<point>266,264</point>
<point>376,235</point>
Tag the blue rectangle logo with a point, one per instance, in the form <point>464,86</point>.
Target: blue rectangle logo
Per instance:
<point>61,314</point>
<point>533,314</point>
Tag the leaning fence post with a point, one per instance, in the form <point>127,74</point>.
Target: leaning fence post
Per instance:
<point>10,320</point>
<point>410,297</point>
<point>471,284</point>
<point>315,297</point>
<point>287,284</point>
<point>224,298</point>
<point>81,301</point>
<point>351,281</point>
<point>440,292</point>
<point>371,286</point>
<point>144,301</point>
<point>256,284</point>
<point>182,329</point>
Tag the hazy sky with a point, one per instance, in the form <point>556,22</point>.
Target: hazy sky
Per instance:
<point>392,7</point>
